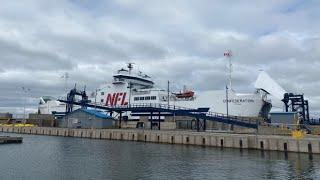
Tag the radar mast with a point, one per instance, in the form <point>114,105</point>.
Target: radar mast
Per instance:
<point>130,67</point>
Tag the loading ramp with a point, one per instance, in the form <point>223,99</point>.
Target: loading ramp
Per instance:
<point>154,109</point>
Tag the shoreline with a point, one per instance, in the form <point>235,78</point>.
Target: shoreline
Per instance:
<point>310,144</point>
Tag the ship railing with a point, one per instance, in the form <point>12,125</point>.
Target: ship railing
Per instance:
<point>173,107</point>
<point>231,117</point>
<point>158,105</point>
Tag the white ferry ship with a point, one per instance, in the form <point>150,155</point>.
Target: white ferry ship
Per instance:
<point>132,87</point>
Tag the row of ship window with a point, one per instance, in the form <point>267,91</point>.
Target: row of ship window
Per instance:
<point>145,98</point>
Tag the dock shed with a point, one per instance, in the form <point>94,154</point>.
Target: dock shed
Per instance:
<point>5,117</point>
<point>87,118</point>
<point>42,120</point>
<point>284,117</point>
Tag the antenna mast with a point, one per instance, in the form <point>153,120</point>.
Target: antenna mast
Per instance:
<point>130,67</point>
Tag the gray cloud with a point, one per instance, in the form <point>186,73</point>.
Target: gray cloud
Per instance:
<point>178,41</point>
<point>16,56</point>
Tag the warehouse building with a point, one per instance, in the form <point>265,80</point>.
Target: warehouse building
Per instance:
<point>87,118</point>
<point>42,120</point>
<point>284,117</point>
<point>5,118</point>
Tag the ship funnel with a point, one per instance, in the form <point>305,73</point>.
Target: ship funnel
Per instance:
<point>266,83</point>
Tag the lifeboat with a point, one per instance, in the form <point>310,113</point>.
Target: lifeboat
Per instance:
<point>185,94</point>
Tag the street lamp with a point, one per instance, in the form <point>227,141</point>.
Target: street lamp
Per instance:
<point>228,54</point>
<point>95,106</point>
<point>130,88</point>
<point>25,91</point>
<point>95,98</point>
<point>227,99</point>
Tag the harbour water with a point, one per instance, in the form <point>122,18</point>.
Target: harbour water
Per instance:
<point>51,157</point>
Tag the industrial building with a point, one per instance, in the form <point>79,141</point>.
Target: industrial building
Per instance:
<point>43,120</point>
<point>284,117</point>
<point>87,118</point>
<point>5,117</point>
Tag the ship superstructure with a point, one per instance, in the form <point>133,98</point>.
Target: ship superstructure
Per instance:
<point>127,87</point>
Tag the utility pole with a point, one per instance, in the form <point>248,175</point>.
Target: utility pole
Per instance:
<point>227,100</point>
<point>168,94</point>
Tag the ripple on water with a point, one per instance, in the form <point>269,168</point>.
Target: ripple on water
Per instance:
<point>49,157</point>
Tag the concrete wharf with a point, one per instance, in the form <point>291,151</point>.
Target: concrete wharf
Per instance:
<point>308,144</point>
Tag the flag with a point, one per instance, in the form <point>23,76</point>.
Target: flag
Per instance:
<point>228,53</point>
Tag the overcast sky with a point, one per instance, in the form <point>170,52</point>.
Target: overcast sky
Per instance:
<point>181,41</point>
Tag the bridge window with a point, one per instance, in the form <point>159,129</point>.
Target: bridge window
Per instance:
<point>136,98</point>
<point>102,93</point>
<point>147,98</point>
<point>153,97</point>
<point>141,98</point>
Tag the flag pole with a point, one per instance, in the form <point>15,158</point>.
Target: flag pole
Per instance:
<point>228,54</point>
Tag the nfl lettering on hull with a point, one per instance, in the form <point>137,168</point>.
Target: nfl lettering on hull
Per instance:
<point>114,99</point>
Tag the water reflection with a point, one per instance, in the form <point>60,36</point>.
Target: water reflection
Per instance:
<point>47,157</point>
<point>284,165</point>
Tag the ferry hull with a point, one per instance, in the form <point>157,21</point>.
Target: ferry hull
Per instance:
<point>249,105</point>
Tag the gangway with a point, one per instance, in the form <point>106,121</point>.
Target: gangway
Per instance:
<point>154,109</point>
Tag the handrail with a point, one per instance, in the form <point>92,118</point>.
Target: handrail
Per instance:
<point>175,108</point>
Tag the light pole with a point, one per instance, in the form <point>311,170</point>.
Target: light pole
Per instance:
<point>228,54</point>
<point>95,106</point>
<point>95,98</point>
<point>25,91</point>
<point>227,99</point>
<point>130,87</point>
<point>168,90</point>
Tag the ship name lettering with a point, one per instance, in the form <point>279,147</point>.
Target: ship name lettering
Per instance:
<point>238,101</point>
<point>114,99</point>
